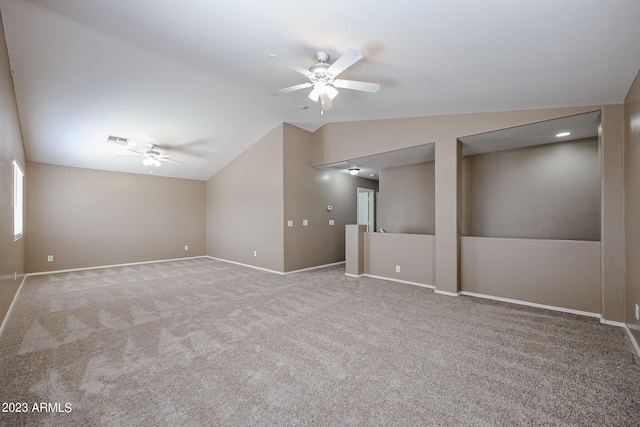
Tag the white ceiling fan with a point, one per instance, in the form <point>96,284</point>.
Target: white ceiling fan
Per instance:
<point>322,76</point>
<point>152,157</point>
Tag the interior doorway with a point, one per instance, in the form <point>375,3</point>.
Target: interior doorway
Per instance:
<point>367,208</point>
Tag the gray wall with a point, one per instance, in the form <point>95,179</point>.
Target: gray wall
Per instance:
<point>407,199</point>
<point>307,193</point>
<point>12,254</point>
<point>245,206</point>
<point>632,206</point>
<point>558,273</point>
<point>86,217</point>
<point>544,192</point>
<point>251,199</point>
<point>414,253</point>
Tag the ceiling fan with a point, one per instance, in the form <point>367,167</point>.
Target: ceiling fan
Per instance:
<point>322,77</point>
<point>152,157</point>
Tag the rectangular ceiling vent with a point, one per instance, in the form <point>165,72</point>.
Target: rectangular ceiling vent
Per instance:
<point>117,140</point>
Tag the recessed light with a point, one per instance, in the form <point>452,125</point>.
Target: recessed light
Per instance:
<point>561,134</point>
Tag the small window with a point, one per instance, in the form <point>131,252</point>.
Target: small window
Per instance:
<point>18,201</point>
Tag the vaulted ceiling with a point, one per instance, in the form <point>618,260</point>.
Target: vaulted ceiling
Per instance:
<point>195,77</point>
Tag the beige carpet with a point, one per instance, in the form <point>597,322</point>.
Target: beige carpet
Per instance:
<point>201,342</point>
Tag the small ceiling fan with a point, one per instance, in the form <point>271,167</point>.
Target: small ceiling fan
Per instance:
<point>322,76</point>
<point>152,157</point>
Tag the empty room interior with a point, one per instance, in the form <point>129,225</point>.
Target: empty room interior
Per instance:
<point>278,213</point>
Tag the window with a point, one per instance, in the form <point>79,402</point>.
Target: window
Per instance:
<point>18,201</point>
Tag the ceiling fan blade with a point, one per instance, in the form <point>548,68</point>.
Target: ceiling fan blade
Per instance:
<point>164,159</point>
<point>356,85</point>
<point>349,58</point>
<point>129,155</point>
<point>292,88</point>
<point>136,151</point>
<point>292,65</point>
<point>327,104</point>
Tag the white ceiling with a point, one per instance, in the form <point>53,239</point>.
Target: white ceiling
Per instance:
<point>196,77</point>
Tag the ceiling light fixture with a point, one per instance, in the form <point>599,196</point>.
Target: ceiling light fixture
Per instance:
<point>149,161</point>
<point>354,170</point>
<point>562,134</point>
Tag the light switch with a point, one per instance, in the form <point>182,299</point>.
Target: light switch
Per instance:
<point>332,222</point>
<point>305,222</point>
<point>290,223</point>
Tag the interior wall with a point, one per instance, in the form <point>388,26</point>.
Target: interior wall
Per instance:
<point>407,199</point>
<point>338,142</point>
<point>557,273</point>
<point>413,253</point>
<point>245,206</point>
<point>308,192</point>
<point>548,191</point>
<point>12,253</point>
<point>87,217</point>
<point>632,206</point>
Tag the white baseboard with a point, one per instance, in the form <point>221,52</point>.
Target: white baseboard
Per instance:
<point>15,297</point>
<point>406,282</point>
<point>354,275</point>
<point>333,264</point>
<point>247,265</point>
<point>611,322</point>
<point>282,273</point>
<point>70,270</point>
<point>450,294</point>
<point>532,304</point>
<point>633,339</point>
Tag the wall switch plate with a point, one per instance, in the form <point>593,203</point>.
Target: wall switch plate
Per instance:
<point>49,258</point>
<point>305,222</point>
<point>332,222</point>
<point>186,247</point>
<point>637,312</point>
<point>255,253</point>
<point>397,269</point>
<point>290,223</point>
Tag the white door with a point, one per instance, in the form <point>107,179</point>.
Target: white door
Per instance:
<point>366,208</point>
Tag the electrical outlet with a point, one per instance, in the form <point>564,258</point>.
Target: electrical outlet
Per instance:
<point>49,258</point>
<point>637,312</point>
<point>255,253</point>
<point>397,269</point>
<point>305,222</point>
<point>290,223</point>
<point>186,247</point>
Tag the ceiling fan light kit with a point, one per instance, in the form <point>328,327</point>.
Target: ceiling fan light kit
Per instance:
<point>322,77</point>
<point>152,157</point>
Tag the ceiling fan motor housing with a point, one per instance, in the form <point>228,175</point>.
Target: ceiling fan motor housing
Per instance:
<point>322,56</point>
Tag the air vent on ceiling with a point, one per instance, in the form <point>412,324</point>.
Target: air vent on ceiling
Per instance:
<point>117,140</point>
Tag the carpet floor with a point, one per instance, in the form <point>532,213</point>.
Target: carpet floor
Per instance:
<point>201,342</point>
